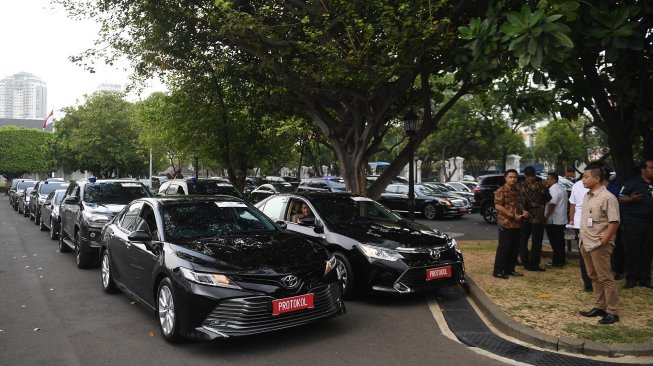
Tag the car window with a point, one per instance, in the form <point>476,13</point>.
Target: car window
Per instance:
<point>402,189</point>
<point>274,206</point>
<point>346,210</point>
<point>164,187</point>
<point>59,196</point>
<point>188,221</point>
<point>114,192</point>
<point>130,218</point>
<point>148,222</point>
<point>52,186</point>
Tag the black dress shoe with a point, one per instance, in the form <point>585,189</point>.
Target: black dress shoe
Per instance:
<point>594,312</point>
<point>609,319</point>
<point>500,275</point>
<point>535,269</point>
<point>646,284</point>
<point>588,289</point>
<point>618,276</point>
<point>629,284</point>
<point>516,274</point>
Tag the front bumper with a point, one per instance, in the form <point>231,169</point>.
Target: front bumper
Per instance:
<point>207,318</point>
<point>410,274</point>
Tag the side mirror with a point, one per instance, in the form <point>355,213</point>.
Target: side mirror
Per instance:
<point>139,236</point>
<point>319,227</point>
<point>282,224</point>
<point>46,203</point>
<point>71,200</point>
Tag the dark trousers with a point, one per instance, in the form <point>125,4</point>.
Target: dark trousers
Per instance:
<point>587,282</point>
<point>638,247</point>
<point>531,259</point>
<point>507,250</point>
<point>556,235</point>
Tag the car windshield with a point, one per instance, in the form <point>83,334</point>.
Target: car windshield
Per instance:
<point>58,197</point>
<point>213,187</point>
<point>437,188</point>
<point>187,221</point>
<point>22,185</point>
<point>114,192</point>
<point>51,186</point>
<point>424,190</point>
<point>283,188</point>
<point>346,210</point>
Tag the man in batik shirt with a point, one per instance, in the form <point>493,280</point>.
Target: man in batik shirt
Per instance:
<point>535,196</point>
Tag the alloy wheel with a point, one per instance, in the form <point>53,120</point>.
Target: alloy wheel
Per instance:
<point>430,212</point>
<point>166,310</point>
<point>341,271</point>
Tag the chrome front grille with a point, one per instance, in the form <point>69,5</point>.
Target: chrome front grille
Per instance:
<point>251,315</point>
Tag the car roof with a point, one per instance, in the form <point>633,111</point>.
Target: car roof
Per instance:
<point>167,200</point>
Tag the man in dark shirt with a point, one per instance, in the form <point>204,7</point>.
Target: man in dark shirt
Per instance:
<point>535,196</point>
<point>636,201</point>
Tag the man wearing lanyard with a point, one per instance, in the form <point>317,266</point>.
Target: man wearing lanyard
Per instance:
<point>598,226</point>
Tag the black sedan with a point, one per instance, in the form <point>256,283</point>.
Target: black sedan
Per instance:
<point>266,190</point>
<point>429,203</point>
<point>374,248</point>
<point>49,216</point>
<point>214,267</point>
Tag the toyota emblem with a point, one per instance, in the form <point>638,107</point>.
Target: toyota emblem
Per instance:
<point>435,254</point>
<point>290,281</point>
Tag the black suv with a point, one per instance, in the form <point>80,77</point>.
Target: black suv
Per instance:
<point>18,186</point>
<point>484,194</point>
<point>323,184</point>
<point>87,206</point>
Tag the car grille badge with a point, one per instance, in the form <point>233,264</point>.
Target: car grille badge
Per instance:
<point>435,254</point>
<point>290,281</point>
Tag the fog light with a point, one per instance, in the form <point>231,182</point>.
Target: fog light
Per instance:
<point>92,235</point>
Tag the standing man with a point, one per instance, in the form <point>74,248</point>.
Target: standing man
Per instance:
<point>636,200</point>
<point>509,217</point>
<point>598,226</point>
<point>535,195</point>
<point>556,219</point>
<point>578,192</point>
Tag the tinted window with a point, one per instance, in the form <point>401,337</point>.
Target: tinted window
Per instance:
<point>402,189</point>
<point>352,209</point>
<point>336,184</point>
<point>283,188</point>
<point>22,185</point>
<point>212,188</point>
<point>273,207</point>
<point>130,218</point>
<point>59,197</point>
<point>52,186</point>
<point>187,221</point>
<point>114,192</point>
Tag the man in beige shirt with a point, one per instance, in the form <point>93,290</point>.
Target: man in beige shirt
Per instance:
<point>598,225</point>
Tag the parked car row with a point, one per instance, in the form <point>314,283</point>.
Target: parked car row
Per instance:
<point>211,266</point>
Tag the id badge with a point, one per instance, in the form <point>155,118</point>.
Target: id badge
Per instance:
<point>589,222</point>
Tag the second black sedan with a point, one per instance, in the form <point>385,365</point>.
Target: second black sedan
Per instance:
<point>213,267</point>
<point>374,248</point>
<point>429,203</point>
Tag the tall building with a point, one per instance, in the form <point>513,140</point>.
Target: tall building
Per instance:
<point>23,96</point>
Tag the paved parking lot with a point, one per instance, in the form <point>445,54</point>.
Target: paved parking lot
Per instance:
<point>55,314</point>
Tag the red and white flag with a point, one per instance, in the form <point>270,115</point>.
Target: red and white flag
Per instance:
<point>49,119</point>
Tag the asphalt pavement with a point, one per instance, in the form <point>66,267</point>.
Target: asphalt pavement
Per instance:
<point>55,314</point>
<point>469,227</point>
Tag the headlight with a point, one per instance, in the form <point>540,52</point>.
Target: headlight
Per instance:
<point>452,243</point>
<point>98,218</point>
<point>330,265</point>
<point>445,202</point>
<point>371,251</point>
<point>209,279</point>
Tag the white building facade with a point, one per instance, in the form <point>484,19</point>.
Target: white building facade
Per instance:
<point>23,96</point>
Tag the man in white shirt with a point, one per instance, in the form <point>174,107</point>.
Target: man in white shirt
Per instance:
<point>556,219</point>
<point>578,192</point>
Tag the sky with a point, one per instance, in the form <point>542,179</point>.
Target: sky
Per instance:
<point>37,37</point>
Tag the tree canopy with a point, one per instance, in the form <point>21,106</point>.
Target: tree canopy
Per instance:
<point>23,150</point>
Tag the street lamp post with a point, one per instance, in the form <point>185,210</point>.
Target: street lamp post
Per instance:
<point>410,127</point>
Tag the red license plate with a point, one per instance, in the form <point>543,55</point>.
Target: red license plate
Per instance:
<point>292,304</point>
<point>436,273</point>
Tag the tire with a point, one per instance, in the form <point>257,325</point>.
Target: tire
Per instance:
<point>489,213</point>
<point>53,233</point>
<point>82,259</point>
<point>166,312</point>
<point>108,285</point>
<point>345,275</point>
<point>63,247</point>
<point>430,211</point>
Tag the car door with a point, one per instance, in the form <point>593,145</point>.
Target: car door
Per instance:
<point>143,257</point>
<point>299,227</point>
<point>69,211</point>
<point>275,208</point>
<point>117,234</point>
<point>392,198</point>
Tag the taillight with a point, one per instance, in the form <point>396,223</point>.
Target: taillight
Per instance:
<point>476,189</point>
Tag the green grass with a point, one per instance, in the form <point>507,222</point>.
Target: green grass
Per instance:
<point>615,333</point>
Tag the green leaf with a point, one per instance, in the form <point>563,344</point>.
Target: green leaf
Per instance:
<point>514,19</point>
<point>564,40</point>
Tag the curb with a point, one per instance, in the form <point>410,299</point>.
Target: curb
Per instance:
<point>507,325</point>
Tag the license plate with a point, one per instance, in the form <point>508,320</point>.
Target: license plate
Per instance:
<point>292,304</point>
<point>462,209</point>
<point>437,273</point>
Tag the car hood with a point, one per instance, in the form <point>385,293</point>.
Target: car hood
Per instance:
<point>440,196</point>
<point>105,209</point>
<point>273,253</point>
<point>391,235</point>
